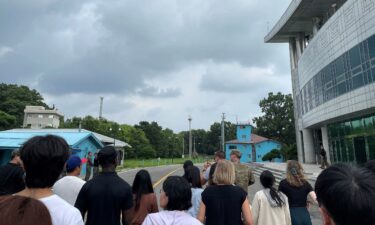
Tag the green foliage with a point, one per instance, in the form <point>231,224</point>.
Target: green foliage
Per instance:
<point>150,140</point>
<point>274,153</point>
<point>289,152</point>
<point>137,139</point>
<point>14,98</point>
<point>277,121</point>
<point>7,121</point>
<point>214,134</point>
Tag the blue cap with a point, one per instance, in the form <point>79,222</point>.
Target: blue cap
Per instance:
<point>73,162</point>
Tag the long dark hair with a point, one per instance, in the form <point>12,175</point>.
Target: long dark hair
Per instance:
<point>267,180</point>
<point>141,186</point>
<point>194,177</point>
<point>187,164</point>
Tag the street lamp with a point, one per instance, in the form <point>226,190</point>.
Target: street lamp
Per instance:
<point>114,135</point>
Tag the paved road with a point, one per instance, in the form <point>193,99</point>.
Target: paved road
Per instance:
<point>314,210</point>
<point>158,175</point>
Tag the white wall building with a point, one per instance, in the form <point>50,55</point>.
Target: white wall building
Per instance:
<point>36,117</point>
<point>332,54</point>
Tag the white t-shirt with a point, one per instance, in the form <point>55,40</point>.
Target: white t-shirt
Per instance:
<point>206,174</point>
<point>62,213</point>
<point>196,198</point>
<point>68,188</point>
<point>170,218</point>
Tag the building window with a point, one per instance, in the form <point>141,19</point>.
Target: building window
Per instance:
<point>29,115</point>
<point>232,147</point>
<point>40,116</point>
<point>50,116</point>
<point>353,69</point>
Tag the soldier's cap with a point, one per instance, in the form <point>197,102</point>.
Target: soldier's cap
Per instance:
<point>236,153</point>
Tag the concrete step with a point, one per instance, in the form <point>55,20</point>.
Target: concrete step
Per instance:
<point>278,174</point>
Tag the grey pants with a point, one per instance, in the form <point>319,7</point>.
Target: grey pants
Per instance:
<point>88,173</point>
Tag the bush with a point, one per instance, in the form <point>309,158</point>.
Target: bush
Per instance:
<point>289,152</point>
<point>274,153</point>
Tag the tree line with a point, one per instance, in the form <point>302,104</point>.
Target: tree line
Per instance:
<point>149,139</point>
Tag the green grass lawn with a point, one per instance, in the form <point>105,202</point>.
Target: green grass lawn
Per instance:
<point>134,163</point>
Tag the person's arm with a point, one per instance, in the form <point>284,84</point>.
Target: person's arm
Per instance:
<point>311,198</point>
<point>251,177</point>
<point>127,204</point>
<point>246,212</point>
<point>255,209</point>
<point>202,212</point>
<point>125,217</point>
<point>81,202</point>
<point>154,205</point>
<point>205,176</point>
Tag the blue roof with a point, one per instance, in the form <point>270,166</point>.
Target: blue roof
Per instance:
<point>9,139</point>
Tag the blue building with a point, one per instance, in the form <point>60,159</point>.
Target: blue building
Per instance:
<point>253,147</point>
<point>80,142</point>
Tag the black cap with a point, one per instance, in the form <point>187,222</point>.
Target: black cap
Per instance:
<point>107,154</point>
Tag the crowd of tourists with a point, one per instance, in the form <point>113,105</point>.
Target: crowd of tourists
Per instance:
<point>32,191</point>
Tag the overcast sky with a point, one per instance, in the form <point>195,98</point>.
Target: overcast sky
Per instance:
<point>154,60</point>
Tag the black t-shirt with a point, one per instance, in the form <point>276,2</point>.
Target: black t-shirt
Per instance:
<point>223,204</point>
<point>104,198</point>
<point>297,196</point>
<point>96,162</point>
<point>11,179</point>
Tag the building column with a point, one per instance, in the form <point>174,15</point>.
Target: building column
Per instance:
<point>308,146</point>
<point>299,138</point>
<point>292,53</point>
<point>326,142</point>
<point>316,25</point>
<point>300,45</point>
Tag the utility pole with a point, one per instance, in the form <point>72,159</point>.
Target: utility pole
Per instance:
<point>222,132</point>
<point>183,147</point>
<point>194,144</point>
<point>190,138</point>
<point>101,108</point>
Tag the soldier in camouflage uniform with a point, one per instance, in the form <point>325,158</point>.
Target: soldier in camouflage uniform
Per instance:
<point>244,175</point>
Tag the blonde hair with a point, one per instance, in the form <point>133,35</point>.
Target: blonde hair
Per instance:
<point>224,173</point>
<point>295,174</point>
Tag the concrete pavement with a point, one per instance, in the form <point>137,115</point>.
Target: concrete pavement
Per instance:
<point>159,174</point>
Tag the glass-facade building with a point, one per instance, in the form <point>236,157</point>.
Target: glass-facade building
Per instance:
<point>351,70</point>
<point>332,55</point>
<point>352,140</point>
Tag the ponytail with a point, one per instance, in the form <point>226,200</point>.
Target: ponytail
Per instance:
<point>267,180</point>
<point>275,195</point>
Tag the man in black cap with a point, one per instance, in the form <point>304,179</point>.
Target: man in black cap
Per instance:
<point>12,175</point>
<point>106,196</point>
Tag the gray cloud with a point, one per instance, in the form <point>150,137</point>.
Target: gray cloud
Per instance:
<point>94,48</point>
<point>114,46</point>
<point>152,91</point>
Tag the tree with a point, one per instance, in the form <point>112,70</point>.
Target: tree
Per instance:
<point>274,153</point>
<point>141,147</point>
<point>6,121</point>
<point>277,121</point>
<point>14,99</point>
<point>214,135</point>
<point>154,134</point>
<point>289,152</point>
